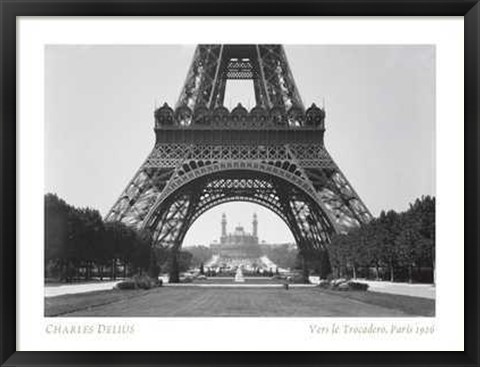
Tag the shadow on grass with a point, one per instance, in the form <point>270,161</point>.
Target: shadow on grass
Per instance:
<point>60,305</point>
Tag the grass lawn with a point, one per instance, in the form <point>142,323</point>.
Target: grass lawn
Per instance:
<point>414,306</point>
<point>237,302</point>
<point>60,305</point>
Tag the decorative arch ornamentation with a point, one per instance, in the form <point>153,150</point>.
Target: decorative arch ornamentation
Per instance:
<point>217,167</point>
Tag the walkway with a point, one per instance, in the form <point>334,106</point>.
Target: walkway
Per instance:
<point>406,289</point>
<point>59,290</point>
<point>414,290</point>
<point>238,285</point>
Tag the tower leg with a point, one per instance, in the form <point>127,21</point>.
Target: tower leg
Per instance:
<point>174,270</point>
<point>305,269</point>
<point>325,266</point>
<point>153,268</point>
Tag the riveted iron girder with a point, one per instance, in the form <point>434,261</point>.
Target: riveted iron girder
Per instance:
<point>266,65</point>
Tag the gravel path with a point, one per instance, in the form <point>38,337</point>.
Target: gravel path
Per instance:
<point>414,290</point>
<point>405,289</point>
<point>60,290</point>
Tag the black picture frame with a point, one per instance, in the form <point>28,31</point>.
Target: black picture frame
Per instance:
<point>469,9</point>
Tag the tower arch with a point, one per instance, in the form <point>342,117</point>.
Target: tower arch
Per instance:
<point>172,218</point>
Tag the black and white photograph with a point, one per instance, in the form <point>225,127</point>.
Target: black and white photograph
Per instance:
<point>240,180</point>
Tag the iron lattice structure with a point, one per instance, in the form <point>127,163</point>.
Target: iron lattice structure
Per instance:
<point>273,155</point>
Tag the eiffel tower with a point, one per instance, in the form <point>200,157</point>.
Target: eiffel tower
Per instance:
<point>273,155</point>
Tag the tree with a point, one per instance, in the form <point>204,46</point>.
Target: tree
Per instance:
<point>142,256</point>
<point>77,240</point>
<point>358,243</point>
<point>416,240</point>
<point>389,228</point>
<point>425,209</point>
<point>407,242</point>
<point>200,254</point>
<point>114,238</point>
<point>89,233</point>
<point>56,235</point>
<point>401,241</point>
<point>282,255</point>
<point>338,250</point>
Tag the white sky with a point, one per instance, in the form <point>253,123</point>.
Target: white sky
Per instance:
<point>380,103</point>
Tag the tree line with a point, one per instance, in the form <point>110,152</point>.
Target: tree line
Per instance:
<point>284,255</point>
<point>394,246</point>
<point>80,245</point>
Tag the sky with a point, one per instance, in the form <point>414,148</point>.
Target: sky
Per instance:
<point>380,124</point>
